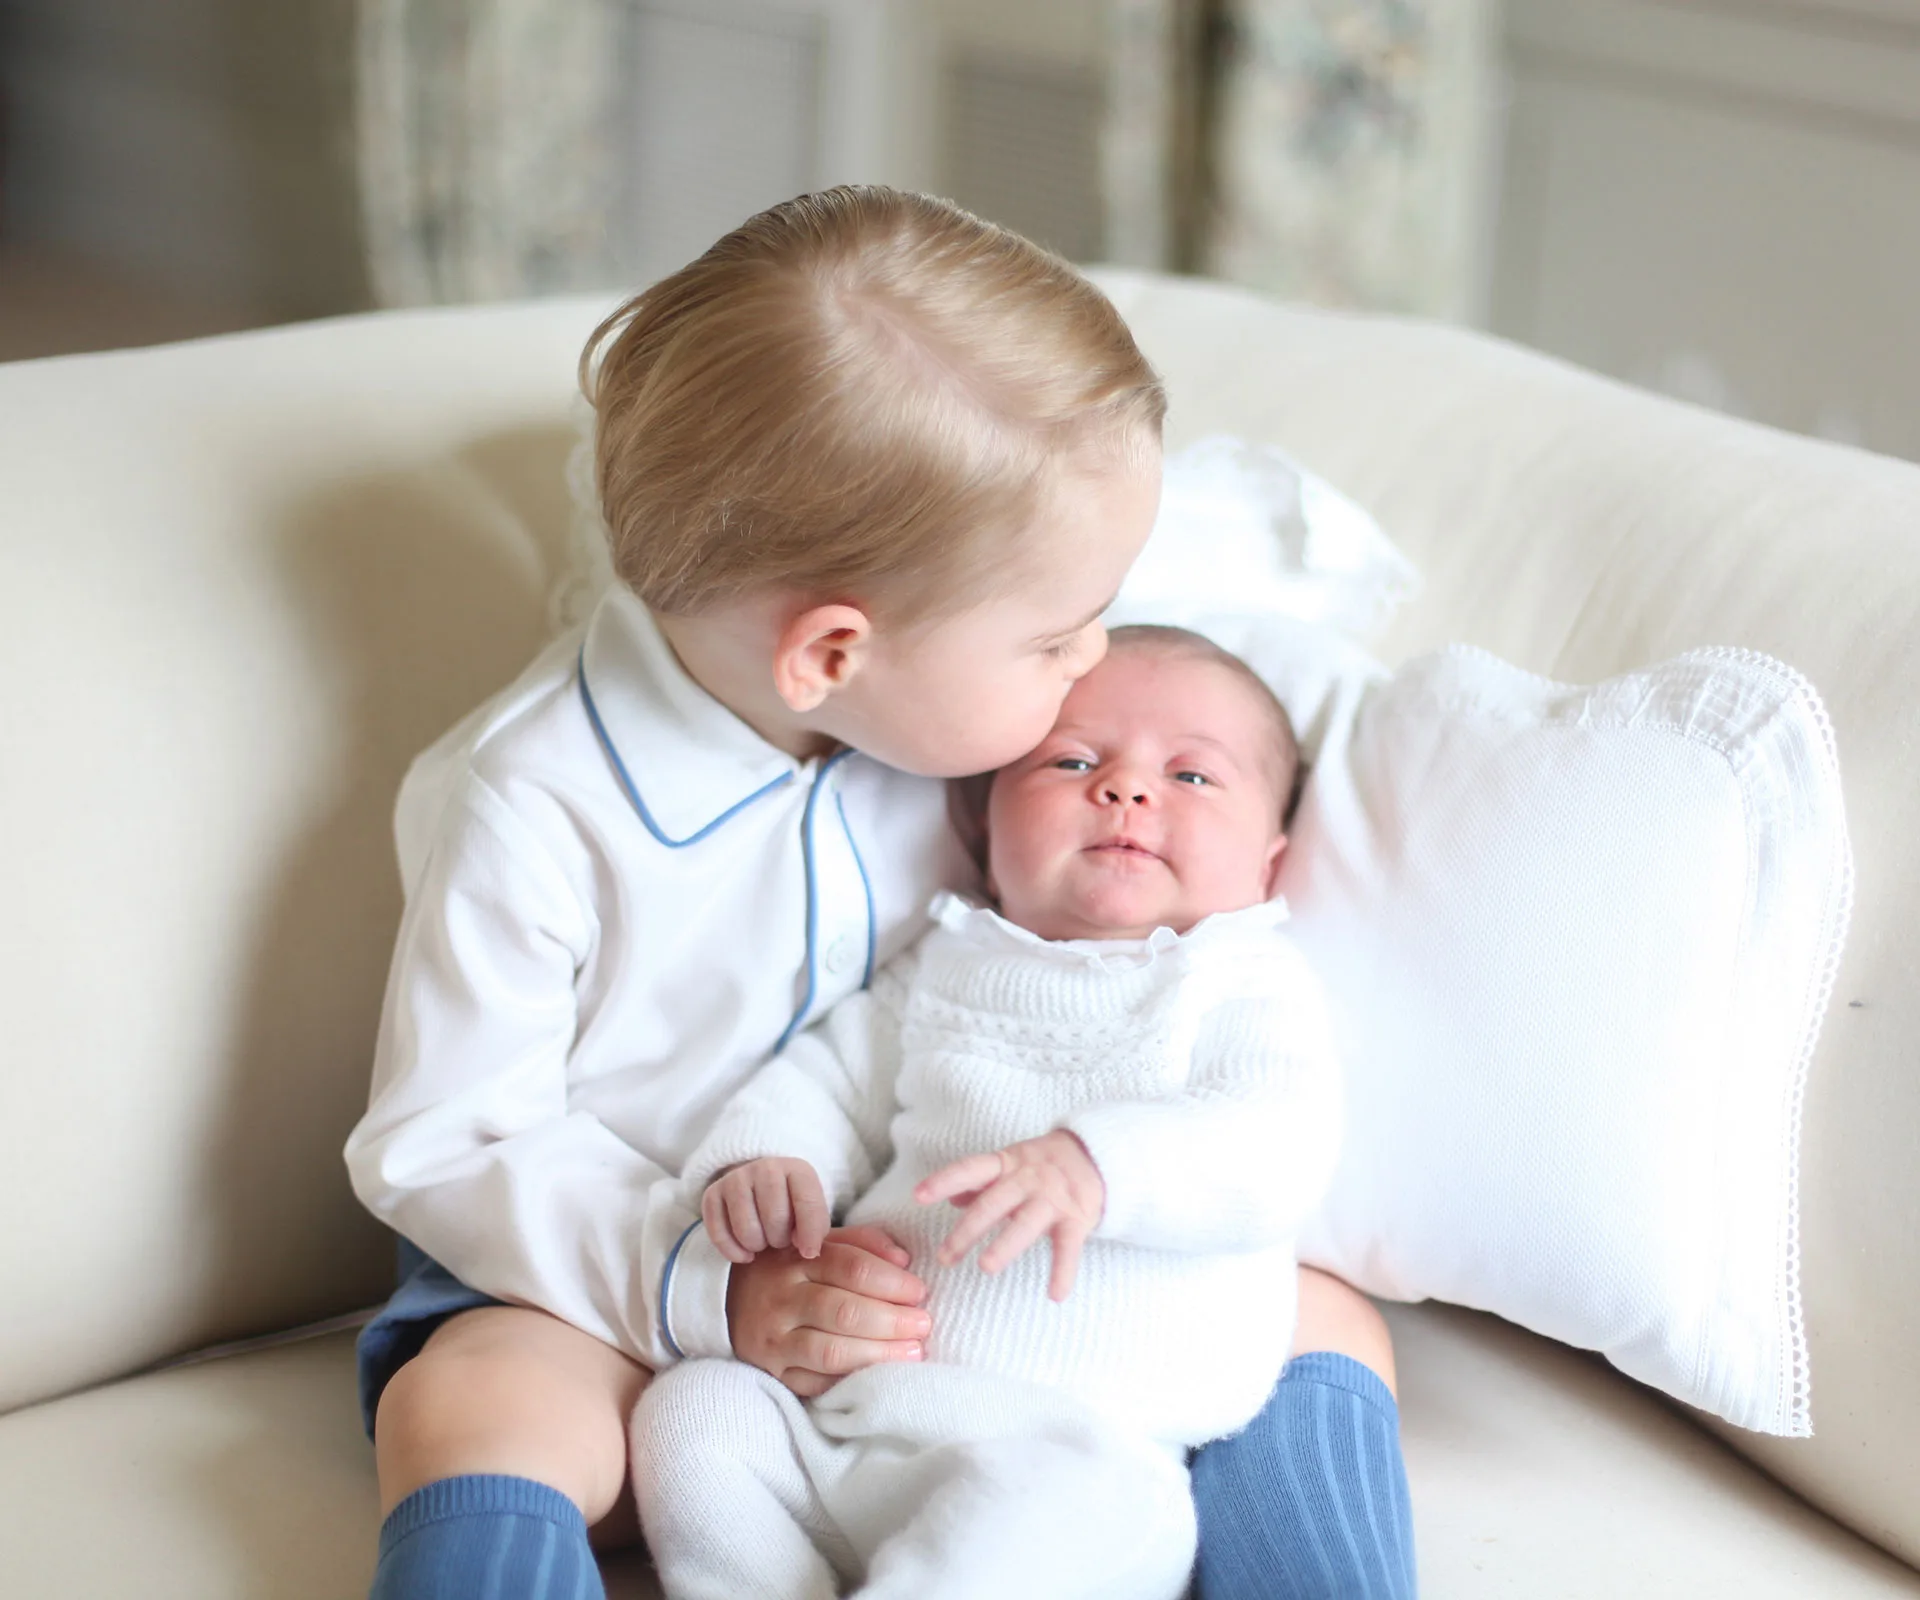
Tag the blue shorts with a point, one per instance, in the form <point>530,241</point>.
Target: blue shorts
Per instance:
<point>428,1294</point>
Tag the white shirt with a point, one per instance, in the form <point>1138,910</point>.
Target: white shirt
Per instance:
<point>620,901</point>
<point>1199,1072</point>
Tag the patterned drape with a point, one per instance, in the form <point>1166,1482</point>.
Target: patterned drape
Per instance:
<point>488,139</point>
<point>1150,78</point>
<point>1337,151</point>
<point>1353,151</point>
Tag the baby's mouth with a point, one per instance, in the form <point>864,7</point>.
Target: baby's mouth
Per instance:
<point>1123,848</point>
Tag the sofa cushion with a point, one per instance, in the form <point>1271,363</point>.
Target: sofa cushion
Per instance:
<point>242,583</point>
<point>246,1477</point>
<point>1536,1471</point>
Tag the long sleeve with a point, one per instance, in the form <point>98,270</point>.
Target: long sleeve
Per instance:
<point>1238,1156</point>
<point>828,1098</point>
<point>469,1146</point>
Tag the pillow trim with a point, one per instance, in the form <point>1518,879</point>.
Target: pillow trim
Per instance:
<point>1789,1412</point>
<point>1795,1408</point>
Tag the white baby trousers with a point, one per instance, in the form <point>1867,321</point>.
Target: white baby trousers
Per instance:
<point>902,1482</point>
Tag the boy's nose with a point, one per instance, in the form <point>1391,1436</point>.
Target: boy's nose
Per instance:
<point>1122,794</point>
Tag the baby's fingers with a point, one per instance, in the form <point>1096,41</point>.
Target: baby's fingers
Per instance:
<point>979,1219</point>
<point>713,1212</point>
<point>958,1177</point>
<point>1067,1240</point>
<point>1018,1236</point>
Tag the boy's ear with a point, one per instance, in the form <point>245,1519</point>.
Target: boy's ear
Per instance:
<point>819,652</point>
<point>1274,852</point>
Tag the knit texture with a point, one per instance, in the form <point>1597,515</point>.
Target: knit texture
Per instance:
<point>746,1495</point>
<point>486,1537</point>
<point>1197,1070</point>
<point>1310,1502</point>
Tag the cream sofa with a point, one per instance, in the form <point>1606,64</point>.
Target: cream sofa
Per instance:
<point>243,580</point>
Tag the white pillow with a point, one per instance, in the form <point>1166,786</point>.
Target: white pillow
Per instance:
<point>1245,526</point>
<point>1578,944</point>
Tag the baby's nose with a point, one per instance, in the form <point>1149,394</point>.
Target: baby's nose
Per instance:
<point>1123,794</point>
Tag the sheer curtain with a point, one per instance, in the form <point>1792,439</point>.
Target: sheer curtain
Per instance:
<point>487,145</point>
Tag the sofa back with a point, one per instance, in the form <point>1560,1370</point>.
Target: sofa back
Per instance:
<point>243,581</point>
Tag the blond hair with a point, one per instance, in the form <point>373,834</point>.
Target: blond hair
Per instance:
<point>860,394</point>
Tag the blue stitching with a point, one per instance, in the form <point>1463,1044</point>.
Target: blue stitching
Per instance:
<point>666,1286</point>
<point>633,794</point>
<point>813,898</point>
<point>866,883</point>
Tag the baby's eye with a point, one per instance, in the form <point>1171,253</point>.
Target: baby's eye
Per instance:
<point>1065,648</point>
<point>1198,779</point>
<point>1073,764</point>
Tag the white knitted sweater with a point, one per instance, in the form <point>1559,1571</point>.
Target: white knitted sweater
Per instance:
<point>1199,1072</point>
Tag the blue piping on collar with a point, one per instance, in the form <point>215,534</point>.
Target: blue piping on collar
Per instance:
<point>806,851</point>
<point>813,898</point>
<point>866,883</point>
<point>633,794</point>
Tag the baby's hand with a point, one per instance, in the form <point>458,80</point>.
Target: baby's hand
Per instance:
<point>1047,1185</point>
<point>766,1205</point>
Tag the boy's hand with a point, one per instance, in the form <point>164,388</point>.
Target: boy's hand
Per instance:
<point>811,1322</point>
<point>767,1204</point>
<point>1047,1185</point>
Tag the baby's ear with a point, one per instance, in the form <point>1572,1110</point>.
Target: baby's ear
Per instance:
<point>1274,852</point>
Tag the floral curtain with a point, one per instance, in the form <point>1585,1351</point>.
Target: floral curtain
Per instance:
<point>1353,148</point>
<point>1151,75</point>
<point>1337,151</point>
<point>487,138</point>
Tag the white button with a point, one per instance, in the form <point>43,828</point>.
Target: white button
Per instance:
<point>840,955</point>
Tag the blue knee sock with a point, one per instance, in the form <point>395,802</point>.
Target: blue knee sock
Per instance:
<point>1310,1502</point>
<point>486,1538</point>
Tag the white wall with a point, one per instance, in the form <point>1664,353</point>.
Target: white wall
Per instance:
<point>201,144</point>
<point>1723,202</point>
<point>1015,105</point>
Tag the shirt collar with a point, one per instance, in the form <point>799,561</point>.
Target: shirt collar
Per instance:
<point>688,762</point>
<point>984,926</point>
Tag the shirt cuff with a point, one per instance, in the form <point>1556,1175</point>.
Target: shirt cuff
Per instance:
<point>694,1320</point>
<point>1110,1137</point>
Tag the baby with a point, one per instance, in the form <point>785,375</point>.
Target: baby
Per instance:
<point>1126,1057</point>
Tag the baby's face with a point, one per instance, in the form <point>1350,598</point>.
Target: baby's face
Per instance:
<point>1152,803</point>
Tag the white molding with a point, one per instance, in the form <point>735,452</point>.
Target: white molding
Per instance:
<point>863,45</point>
<point>1721,199</point>
<point>1776,52</point>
